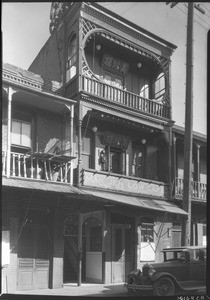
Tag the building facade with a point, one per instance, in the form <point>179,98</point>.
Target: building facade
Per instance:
<point>91,170</point>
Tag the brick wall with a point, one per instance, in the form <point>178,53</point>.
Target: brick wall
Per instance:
<point>49,128</point>
<point>49,61</point>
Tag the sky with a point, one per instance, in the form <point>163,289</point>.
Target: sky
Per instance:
<point>25,30</point>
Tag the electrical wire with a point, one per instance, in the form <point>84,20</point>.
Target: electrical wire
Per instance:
<point>194,20</point>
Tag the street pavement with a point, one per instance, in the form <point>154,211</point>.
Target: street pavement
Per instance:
<point>86,289</point>
<point>92,290</point>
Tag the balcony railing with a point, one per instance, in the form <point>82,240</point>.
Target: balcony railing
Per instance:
<point>198,189</point>
<point>118,96</point>
<point>38,166</point>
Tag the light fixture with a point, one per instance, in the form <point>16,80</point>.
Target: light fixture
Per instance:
<point>98,47</point>
<point>139,65</point>
<point>94,129</point>
<point>143,141</point>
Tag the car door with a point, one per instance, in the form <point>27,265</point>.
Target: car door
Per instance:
<point>197,266</point>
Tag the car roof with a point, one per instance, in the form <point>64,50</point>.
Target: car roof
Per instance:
<point>183,248</point>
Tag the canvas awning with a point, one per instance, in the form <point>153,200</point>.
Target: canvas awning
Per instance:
<point>160,205</point>
<point>41,185</point>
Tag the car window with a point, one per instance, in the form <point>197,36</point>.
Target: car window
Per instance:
<point>198,254</point>
<point>176,255</point>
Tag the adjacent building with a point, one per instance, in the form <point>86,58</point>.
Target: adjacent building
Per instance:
<point>92,162</point>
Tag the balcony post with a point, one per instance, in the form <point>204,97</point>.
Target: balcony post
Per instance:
<point>174,161</point>
<point>11,91</point>
<point>198,169</point>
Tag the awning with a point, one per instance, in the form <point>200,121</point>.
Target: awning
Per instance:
<point>160,205</point>
<point>45,186</point>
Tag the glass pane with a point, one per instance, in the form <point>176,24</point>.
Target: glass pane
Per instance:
<point>26,135</point>
<point>16,130</point>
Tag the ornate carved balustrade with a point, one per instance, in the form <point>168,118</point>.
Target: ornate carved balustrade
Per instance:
<point>118,96</point>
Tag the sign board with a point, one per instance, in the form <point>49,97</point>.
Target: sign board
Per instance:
<point>123,184</point>
<point>5,254</point>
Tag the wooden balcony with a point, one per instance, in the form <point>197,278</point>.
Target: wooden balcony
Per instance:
<point>118,96</point>
<point>123,183</point>
<point>198,189</point>
<point>39,166</point>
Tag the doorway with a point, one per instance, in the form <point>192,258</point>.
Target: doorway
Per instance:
<point>121,252</point>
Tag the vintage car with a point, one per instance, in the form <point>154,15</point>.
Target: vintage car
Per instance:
<point>183,268</point>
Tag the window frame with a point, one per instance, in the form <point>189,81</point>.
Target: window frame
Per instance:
<point>71,64</point>
<point>21,122</point>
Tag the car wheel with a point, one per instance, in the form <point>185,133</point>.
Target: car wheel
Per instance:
<point>163,287</point>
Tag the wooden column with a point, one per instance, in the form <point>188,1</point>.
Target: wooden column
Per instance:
<point>9,125</point>
<point>79,254</point>
<point>198,169</point>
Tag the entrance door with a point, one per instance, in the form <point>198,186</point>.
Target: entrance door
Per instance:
<point>121,254</point>
<point>33,257</point>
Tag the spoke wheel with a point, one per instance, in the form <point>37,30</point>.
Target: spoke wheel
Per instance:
<point>164,287</point>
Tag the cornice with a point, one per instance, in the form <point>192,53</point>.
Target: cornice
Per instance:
<point>23,81</point>
<point>134,33</point>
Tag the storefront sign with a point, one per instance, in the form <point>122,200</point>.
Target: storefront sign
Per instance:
<point>122,184</point>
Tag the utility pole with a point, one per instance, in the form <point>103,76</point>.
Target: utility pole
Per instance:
<point>186,224</point>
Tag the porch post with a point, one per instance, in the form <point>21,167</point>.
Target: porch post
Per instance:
<point>174,163</point>
<point>71,141</point>
<point>79,254</point>
<point>198,169</point>
<point>9,124</point>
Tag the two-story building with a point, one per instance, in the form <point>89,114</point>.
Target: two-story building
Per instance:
<point>88,180</point>
<point>199,183</point>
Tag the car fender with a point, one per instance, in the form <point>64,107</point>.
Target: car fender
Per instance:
<point>156,276</point>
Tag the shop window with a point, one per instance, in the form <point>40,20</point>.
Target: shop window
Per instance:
<point>72,58</point>
<point>147,234</point>
<point>138,161</point>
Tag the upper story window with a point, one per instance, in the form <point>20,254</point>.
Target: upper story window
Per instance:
<point>21,130</point>
<point>159,86</point>
<point>138,161</point>
<point>72,58</point>
<point>21,133</point>
<point>144,92</point>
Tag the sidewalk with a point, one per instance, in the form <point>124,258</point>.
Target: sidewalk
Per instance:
<point>86,289</point>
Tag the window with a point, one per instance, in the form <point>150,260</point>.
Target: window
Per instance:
<point>147,233</point>
<point>159,86</point>
<point>21,133</point>
<point>145,91</point>
<point>86,150</point>
<point>72,57</point>
<point>138,161</point>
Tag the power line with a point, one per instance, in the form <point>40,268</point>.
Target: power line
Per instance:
<point>194,20</point>
<point>198,16</point>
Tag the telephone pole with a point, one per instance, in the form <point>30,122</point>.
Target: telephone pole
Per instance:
<point>187,191</point>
